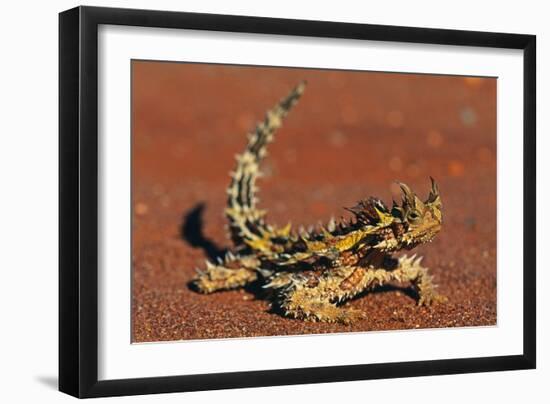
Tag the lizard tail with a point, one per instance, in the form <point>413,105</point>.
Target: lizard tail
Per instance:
<point>246,223</point>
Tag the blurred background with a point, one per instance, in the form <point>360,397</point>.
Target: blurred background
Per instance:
<point>351,136</point>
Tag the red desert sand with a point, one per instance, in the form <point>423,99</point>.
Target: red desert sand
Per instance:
<point>351,136</point>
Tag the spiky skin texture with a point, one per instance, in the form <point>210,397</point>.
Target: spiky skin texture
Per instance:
<point>311,273</point>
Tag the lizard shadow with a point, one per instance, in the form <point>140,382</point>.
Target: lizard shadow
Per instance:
<point>408,291</point>
<point>192,231</point>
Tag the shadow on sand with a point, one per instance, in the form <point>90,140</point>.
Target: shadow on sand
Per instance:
<point>191,231</point>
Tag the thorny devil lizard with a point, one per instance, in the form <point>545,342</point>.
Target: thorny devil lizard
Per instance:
<point>310,273</point>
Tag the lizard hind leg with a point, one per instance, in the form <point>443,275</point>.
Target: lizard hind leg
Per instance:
<point>313,308</point>
<point>229,274</point>
<point>409,269</point>
<point>317,301</point>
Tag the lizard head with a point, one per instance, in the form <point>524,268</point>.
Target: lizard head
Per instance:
<point>403,226</point>
<point>415,221</point>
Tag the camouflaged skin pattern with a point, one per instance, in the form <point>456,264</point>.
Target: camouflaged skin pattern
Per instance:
<point>310,273</point>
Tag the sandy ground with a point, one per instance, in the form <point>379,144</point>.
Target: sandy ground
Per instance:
<point>351,136</point>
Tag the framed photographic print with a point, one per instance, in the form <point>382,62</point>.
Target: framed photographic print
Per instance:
<point>251,201</point>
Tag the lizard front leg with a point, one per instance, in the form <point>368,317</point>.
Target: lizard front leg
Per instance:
<point>410,270</point>
<point>232,273</point>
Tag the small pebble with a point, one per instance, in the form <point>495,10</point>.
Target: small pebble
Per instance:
<point>141,209</point>
<point>455,168</point>
<point>468,116</point>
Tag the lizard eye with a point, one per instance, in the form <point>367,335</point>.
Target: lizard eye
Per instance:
<point>413,215</point>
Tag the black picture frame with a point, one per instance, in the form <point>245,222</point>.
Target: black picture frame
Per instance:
<point>78,201</point>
